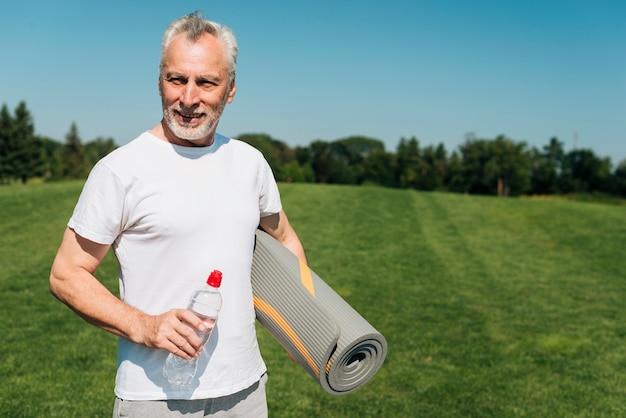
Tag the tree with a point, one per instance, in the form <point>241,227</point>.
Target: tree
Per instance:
<point>321,160</point>
<point>351,153</point>
<point>378,168</point>
<point>331,163</point>
<point>276,152</point>
<point>433,168</point>
<point>338,162</point>
<point>294,172</point>
<point>51,149</point>
<point>27,158</point>
<point>408,162</point>
<point>546,167</point>
<point>73,159</point>
<point>98,148</point>
<point>508,166</point>
<point>21,155</point>
<point>6,129</point>
<point>499,166</point>
<point>342,168</point>
<point>455,174</point>
<point>475,155</point>
<point>619,179</point>
<point>358,148</point>
<point>584,172</point>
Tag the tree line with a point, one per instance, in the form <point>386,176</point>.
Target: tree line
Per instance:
<point>26,156</point>
<point>499,166</point>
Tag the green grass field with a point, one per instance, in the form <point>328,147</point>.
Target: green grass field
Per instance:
<point>491,307</point>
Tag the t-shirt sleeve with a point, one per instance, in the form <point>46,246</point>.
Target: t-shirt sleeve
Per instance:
<point>99,213</point>
<point>269,196</point>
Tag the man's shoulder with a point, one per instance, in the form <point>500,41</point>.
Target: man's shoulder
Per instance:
<point>240,146</point>
<point>128,157</point>
<point>136,145</point>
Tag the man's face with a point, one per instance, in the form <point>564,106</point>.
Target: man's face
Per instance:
<point>194,87</point>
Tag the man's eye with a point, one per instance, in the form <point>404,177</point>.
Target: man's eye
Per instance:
<point>206,83</point>
<point>177,81</point>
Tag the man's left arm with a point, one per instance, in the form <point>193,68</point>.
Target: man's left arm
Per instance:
<point>278,226</point>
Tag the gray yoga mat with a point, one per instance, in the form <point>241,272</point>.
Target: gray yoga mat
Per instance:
<point>319,329</point>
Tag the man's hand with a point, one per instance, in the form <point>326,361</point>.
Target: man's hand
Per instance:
<point>174,331</point>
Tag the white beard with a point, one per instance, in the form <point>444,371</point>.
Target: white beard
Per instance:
<point>192,131</point>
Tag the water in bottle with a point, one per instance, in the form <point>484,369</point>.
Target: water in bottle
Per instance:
<point>206,304</point>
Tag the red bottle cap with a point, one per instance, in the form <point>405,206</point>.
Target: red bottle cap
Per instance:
<point>215,278</point>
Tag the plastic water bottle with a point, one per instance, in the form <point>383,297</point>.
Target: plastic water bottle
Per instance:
<point>206,304</point>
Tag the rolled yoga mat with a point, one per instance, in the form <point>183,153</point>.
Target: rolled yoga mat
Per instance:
<point>319,329</point>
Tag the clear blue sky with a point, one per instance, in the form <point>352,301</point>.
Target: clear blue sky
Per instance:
<point>325,70</point>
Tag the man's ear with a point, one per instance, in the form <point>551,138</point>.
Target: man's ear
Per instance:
<point>231,92</point>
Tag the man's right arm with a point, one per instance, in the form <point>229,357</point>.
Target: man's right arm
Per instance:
<point>72,281</point>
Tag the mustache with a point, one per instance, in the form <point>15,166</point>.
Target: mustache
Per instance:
<point>187,109</point>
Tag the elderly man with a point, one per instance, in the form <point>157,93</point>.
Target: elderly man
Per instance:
<point>174,204</point>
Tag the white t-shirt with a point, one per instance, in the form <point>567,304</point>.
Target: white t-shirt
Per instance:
<point>173,214</point>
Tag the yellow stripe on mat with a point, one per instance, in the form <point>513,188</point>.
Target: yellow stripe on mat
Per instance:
<point>306,278</point>
<point>268,310</point>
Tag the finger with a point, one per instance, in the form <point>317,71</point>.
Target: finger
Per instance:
<point>182,348</point>
<point>189,340</point>
<point>174,334</point>
<point>198,323</point>
<point>197,327</point>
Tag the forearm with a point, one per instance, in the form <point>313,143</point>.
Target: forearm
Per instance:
<point>278,226</point>
<point>293,244</point>
<point>93,302</point>
<point>73,282</point>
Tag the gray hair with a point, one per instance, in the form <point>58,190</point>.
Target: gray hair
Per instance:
<point>194,25</point>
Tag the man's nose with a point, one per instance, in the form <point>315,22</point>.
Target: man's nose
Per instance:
<point>190,95</point>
